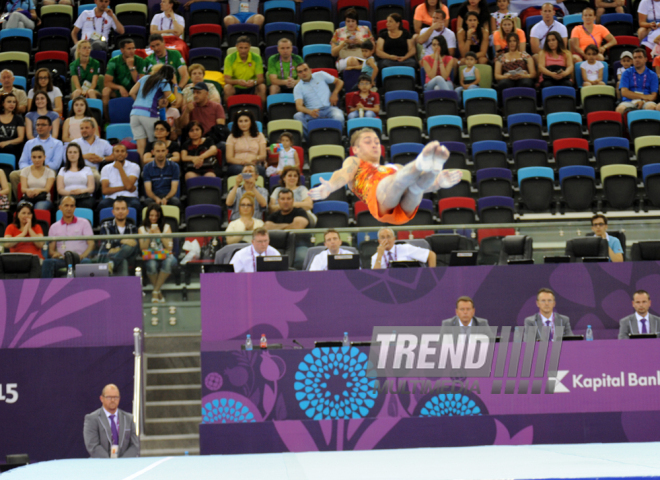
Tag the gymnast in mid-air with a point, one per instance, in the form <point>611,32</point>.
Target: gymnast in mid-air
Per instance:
<point>392,192</point>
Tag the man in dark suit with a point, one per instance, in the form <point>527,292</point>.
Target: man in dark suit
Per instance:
<point>641,321</point>
<point>465,315</point>
<point>109,426</point>
<point>547,317</point>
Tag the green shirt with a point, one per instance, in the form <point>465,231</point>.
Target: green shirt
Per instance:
<point>85,74</point>
<point>172,57</point>
<point>243,70</point>
<point>120,73</point>
<point>284,70</point>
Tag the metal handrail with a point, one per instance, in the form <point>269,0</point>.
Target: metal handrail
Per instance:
<point>137,382</point>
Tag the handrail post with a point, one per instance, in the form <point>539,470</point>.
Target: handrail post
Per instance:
<point>137,381</point>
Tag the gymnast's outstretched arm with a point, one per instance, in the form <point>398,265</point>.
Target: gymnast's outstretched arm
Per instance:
<point>338,180</point>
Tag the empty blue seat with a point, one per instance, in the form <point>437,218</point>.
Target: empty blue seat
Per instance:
<point>576,171</point>
<point>374,123</point>
<point>531,172</point>
<point>524,118</point>
<point>444,120</point>
<point>279,98</point>
<point>479,93</point>
<point>330,206</point>
<point>609,142</point>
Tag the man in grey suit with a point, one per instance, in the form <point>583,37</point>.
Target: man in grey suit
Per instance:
<point>641,321</point>
<point>110,426</point>
<point>465,315</point>
<point>547,317</point>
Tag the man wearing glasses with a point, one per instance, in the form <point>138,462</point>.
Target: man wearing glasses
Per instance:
<point>110,432</point>
<point>599,227</point>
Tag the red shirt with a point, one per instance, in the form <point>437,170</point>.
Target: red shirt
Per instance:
<point>207,115</point>
<point>23,246</point>
<point>371,101</point>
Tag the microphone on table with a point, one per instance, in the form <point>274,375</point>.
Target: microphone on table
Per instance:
<point>299,345</point>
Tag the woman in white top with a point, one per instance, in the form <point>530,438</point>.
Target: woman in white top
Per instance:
<point>170,26</point>
<point>76,179</point>
<point>648,13</point>
<point>44,81</point>
<point>246,222</point>
<point>37,180</point>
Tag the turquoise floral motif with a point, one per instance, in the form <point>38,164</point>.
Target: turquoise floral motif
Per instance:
<point>451,404</point>
<point>334,383</point>
<point>225,410</point>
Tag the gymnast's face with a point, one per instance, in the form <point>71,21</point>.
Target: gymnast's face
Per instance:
<point>368,147</point>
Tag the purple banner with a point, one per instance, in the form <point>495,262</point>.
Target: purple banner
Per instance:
<point>73,312</point>
<point>320,305</point>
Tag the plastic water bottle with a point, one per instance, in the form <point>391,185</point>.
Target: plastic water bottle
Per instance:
<point>138,272</point>
<point>589,336</point>
<point>345,341</point>
<point>69,271</point>
<point>263,343</point>
<point>248,342</point>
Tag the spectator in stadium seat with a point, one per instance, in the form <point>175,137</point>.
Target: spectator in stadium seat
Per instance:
<point>289,217</point>
<point>332,243</point>
<point>68,226</point>
<point>439,66</point>
<point>196,72</point>
<point>480,8</point>
<point>246,145</point>
<point>157,269</point>
<point>437,29</point>
<point>555,63</point>
<point>473,38</point>
<point>244,72</point>
<point>503,10</point>
<point>165,56</point>
<point>95,149</point>
<point>98,431</point>
<point>43,82</point>
<point>202,110</point>
<point>122,72</point>
<point>245,260</point>
<point>290,179</point>
<point>198,153</point>
<point>243,11</point>
<point>282,68</point>
<point>247,183</point>
<point>599,227</point>
<point>12,127</point>
<point>117,253</point>
<point>53,148</point>
<point>246,222</point>
<point>514,60</point>
<point>639,85</point>
<point>547,317</point>
<point>37,180</point>
<point>85,72</point>
<point>425,15</point>
<point>95,25</point>
<point>465,316</point>
<point>641,321</point>
<point>41,107</point>
<point>347,41</point>
<point>162,132</point>
<point>7,80</point>
<point>314,98</point>
<point>388,251</point>
<point>25,225</point>
<point>540,31</point>
<point>590,33</point>
<point>395,46</point>
<point>75,179</point>
<point>609,6</point>
<point>79,111</point>
<point>170,25</point>
<point>507,26</point>
<point>648,17</point>
<point>161,178</point>
<point>120,180</point>
<point>21,14</point>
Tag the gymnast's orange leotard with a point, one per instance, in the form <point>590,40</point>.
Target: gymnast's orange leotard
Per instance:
<point>367,178</point>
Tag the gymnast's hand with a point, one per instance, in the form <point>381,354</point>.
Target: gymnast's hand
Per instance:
<point>322,191</point>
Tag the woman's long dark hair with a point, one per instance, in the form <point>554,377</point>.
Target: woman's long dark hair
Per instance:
<point>444,50</point>
<point>480,33</point>
<point>236,131</point>
<point>561,48</point>
<point>49,104</point>
<point>161,221</point>
<point>166,73</point>
<point>3,99</point>
<point>81,160</point>
<point>88,111</point>
<point>49,87</point>
<point>21,206</point>
<point>484,13</point>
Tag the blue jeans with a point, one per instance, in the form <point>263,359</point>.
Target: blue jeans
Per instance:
<point>356,114</point>
<point>326,112</point>
<point>51,265</point>
<point>43,205</point>
<point>438,83</point>
<point>166,266</point>
<point>120,259</point>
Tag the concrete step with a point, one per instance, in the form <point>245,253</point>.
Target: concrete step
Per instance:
<point>162,393</point>
<point>184,442</point>
<point>172,343</point>
<point>174,360</point>
<point>173,426</point>
<point>173,409</point>
<point>172,376</point>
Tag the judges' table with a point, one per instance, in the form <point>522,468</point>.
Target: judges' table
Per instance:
<point>61,342</point>
<point>267,401</point>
